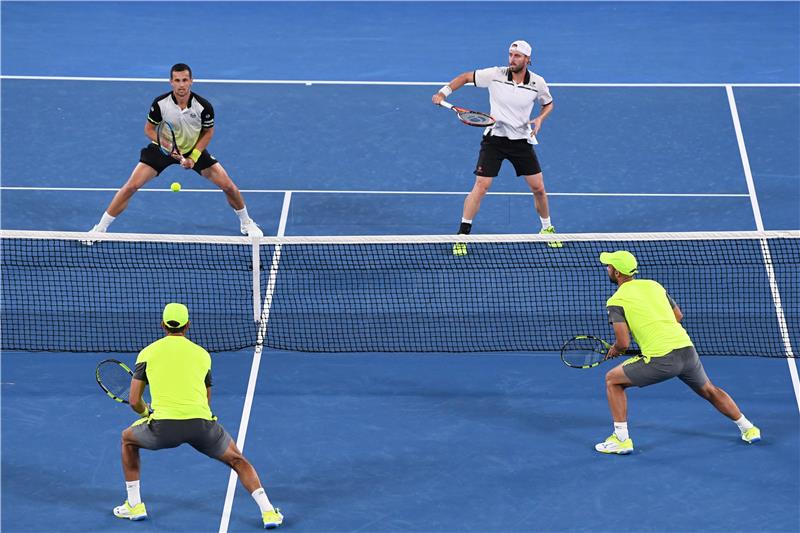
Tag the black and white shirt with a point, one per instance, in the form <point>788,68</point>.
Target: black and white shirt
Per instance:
<point>512,103</point>
<point>187,123</point>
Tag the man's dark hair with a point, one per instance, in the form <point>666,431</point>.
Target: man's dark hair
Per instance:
<point>180,67</point>
<point>169,324</point>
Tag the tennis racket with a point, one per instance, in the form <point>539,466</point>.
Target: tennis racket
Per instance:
<point>468,117</point>
<point>586,351</point>
<point>167,143</point>
<point>114,377</point>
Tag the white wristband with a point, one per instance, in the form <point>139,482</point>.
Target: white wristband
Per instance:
<point>446,91</point>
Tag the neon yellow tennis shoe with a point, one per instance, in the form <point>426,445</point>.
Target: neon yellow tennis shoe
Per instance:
<point>272,519</point>
<point>551,231</point>
<point>460,248</point>
<point>613,445</point>
<point>751,435</point>
<point>137,512</point>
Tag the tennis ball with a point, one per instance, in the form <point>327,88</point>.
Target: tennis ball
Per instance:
<point>175,187</point>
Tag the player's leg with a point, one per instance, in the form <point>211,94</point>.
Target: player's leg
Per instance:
<point>536,185</point>
<point>151,163</point>
<point>133,508</point>
<point>694,375</point>
<point>217,175</point>
<point>472,203</point>
<point>141,174</point>
<point>248,476</point>
<point>619,442</point>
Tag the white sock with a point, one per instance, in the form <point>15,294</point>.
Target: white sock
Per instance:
<point>743,423</point>
<point>105,221</point>
<point>260,496</point>
<point>465,221</point>
<point>133,493</point>
<point>244,218</point>
<point>545,222</point>
<point>621,430</point>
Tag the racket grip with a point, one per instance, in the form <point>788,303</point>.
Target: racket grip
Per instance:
<point>446,104</point>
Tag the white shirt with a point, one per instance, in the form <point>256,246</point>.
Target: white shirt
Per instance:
<point>187,123</point>
<point>512,103</point>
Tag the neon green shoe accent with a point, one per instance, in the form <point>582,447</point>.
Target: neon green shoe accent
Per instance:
<point>751,435</point>
<point>272,519</point>
<point>613,445</point>
<point>550,231</point>
<point>460,248</point>
<point>137,512</point>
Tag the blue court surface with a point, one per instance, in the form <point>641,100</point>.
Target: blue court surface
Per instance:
<point>668,117</point>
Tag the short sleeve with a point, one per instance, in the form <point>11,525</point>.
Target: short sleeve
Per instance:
<point>483,77</point>
<point>140,372</point>
<point>672,303</point>
<point>544,97</point>
<point>207,117</point>
<point>154,116</point>
<point>616,314</point>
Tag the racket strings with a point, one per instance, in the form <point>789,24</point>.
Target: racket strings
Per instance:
<point>475,118</point>
<point>115,379</point>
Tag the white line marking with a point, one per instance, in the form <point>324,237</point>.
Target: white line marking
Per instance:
<point>254,367</point>
<point>456,193</point>
<point>776,295</point>
<point>368,82</point>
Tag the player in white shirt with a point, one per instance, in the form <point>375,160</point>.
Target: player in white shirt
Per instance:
<point>513,91</point>
<point>192,117</point>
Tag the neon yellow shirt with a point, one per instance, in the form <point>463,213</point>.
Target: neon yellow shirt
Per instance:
<point>648,311</point>
<point>178,372</point>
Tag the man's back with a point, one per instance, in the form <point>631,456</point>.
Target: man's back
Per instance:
<point>648,311</point>
<point>178,372</point>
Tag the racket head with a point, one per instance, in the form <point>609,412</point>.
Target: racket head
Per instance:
<point>114,377</point>
<point>165,135</point>
<point>584,351</point>
<point>474,118</point>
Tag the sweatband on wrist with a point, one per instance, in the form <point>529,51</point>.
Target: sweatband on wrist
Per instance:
<point>446,91</point>
<point>195,155</point>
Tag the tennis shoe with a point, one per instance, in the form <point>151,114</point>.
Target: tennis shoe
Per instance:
<point>95,229</point>
<point>460,248</point>
<point>137,512</point>
<point>272,518</point>
<point>751,435</point>
<point>251,229</point>
<point>549,231</point>
<point>613,445</point>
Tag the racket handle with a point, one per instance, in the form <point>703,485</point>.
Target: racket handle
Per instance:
<point>446,104</point>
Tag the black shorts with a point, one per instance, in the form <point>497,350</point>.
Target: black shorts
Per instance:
<point>205,436</point>
<point>518,151</point>
<point>152,157</point>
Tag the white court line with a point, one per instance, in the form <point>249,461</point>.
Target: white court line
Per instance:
<point>367,82</point>
<point>333,191</point>
<point>748,175</point>
<point>251,382</point>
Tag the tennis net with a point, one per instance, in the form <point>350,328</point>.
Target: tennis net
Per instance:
<point>739,292</point>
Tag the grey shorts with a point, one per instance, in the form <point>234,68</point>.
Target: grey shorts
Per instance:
<point>683,363</point>
<point>205,436</point>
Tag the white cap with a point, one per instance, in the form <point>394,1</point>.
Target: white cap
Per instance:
<point>520,46</point>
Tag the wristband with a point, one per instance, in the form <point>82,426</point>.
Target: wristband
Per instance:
<point>446,91</point>
<point>195,155</point>
<point>147,412</point>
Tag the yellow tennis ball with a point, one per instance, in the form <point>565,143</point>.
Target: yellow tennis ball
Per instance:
<point>175,187</point>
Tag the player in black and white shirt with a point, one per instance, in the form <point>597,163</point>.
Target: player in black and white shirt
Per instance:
<point>513,92</point>
<point>192,118</point>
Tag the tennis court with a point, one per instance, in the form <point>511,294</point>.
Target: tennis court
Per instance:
<point>669,117</point>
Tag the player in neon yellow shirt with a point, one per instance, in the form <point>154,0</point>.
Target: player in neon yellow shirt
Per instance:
<point>179,374</point>
<point>644,309</point>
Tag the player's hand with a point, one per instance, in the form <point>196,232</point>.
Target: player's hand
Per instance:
<point>187,163</point>
<point>536,125</point>
<point>613,352</point>
<point>437,98</point>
